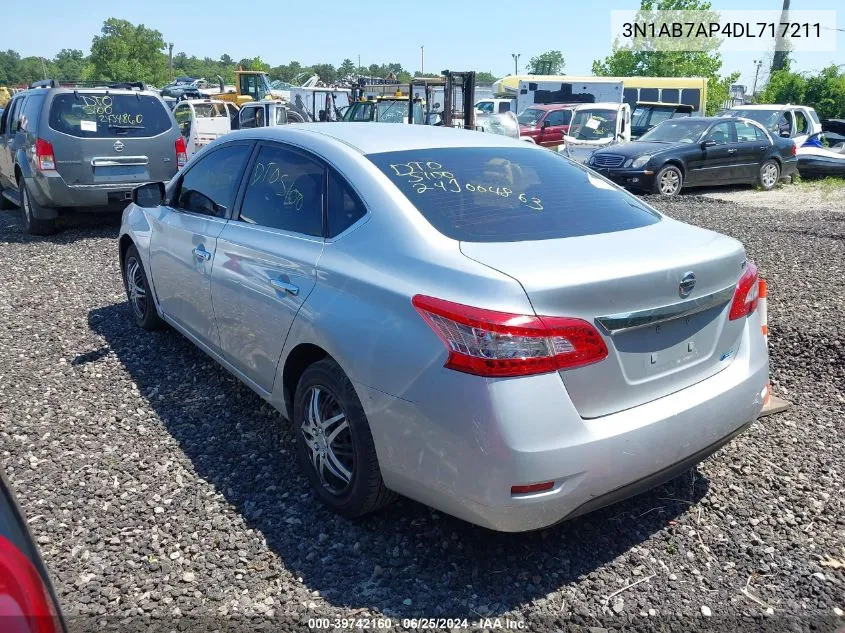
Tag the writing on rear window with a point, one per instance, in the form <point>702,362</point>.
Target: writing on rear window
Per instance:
<point>430,176</point>
<point>102,108</point>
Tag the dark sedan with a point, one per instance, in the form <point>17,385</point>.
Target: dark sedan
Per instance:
<point>697,152</point>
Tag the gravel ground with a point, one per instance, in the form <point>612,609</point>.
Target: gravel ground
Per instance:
<point>158,486</point>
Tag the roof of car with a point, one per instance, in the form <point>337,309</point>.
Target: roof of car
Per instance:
<point>372,138</point>
<point>768,106</point>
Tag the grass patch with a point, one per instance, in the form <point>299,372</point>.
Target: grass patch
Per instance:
<point>828,187</point>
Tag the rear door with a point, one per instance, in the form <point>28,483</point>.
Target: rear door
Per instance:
<point>184,238</point>
<point>7,141</point>
<point>750,151</point>
<point>112,137</point>
<point>267,258</point>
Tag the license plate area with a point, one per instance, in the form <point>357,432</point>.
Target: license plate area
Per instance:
<point>120,173</point>
<point>649,352</point>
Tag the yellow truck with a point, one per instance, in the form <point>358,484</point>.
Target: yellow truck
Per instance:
<point>250,85</point>
<point>5,96</point>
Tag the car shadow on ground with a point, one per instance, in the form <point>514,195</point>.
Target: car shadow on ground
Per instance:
<point>388,562</point>
<point>70,227</point>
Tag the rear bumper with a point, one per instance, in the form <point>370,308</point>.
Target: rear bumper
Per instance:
<point>51,191</point>
<point>462,452</point>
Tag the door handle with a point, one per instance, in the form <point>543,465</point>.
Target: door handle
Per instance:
<point>201,254</point>
<point>284,286</point>
<point>763,147</point>
<point>732,151</point>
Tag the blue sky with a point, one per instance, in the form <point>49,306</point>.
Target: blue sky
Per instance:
<point>456,35</point>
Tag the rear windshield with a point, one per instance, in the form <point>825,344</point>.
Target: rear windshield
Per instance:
<point>510,194</point>
<point>104,115</point>
<point>210,110</point>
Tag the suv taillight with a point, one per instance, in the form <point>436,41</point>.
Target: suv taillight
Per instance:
<point>25,603</point>
<point>747,293</point>
<point>181,153</point>
<point>44,158</point>
<point>490,343</point>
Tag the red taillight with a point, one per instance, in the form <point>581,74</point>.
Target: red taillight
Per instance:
<point>25,603</point>
<point>181,153</point>
<point>747,293</point>
<point>490,343</point>
<point>44,157</point>
<point>794,149</point>
<point>521,490</point>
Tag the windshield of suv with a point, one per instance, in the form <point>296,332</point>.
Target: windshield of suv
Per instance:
<point>593,125</point>
<point>104,115</point>
<point>676,131</point>
<point>767,118</point>
<point>530,116</point>
<point>509,194</point>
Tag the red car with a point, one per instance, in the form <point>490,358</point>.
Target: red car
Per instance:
<point>545,124</point>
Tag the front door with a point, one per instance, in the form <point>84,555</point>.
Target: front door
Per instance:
<point>714,165</point>
<point>184,239</point>
<point>267,258</point>
<point>554,127</point>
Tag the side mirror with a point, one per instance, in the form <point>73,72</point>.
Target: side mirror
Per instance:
<point>149,195</point>
<point>709,143</point>
<point>546,124</point>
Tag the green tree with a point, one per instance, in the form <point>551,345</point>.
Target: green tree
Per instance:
<point>824,91</point>
<point>32,69</point>
<point>624,61</point>
<point>550,62</point>
<point>327,72</point>
<point>484,78</point>
<point>126,52</point>
<point>10,62</point>
<point>346,68</point>
<point>254,63</point>
<point>70,64</point>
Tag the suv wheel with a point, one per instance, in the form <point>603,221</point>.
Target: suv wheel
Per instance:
<point>334,443</point>
<point>31,224</point>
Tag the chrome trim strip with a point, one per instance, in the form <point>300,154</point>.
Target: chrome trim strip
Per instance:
<point>123,160</point>
<point>623,321</point>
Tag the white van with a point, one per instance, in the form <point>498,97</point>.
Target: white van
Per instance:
<point>201,121</point>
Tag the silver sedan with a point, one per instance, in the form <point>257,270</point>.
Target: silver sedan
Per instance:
<point>458,317</point>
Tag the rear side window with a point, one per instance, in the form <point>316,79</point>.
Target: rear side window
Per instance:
<point>285,191</point>
<point>691,96</point>
<point>106,115</point>
<point>670,95</point>
<point>510,194</point>
<point>31,112</point>
<point>344,207</point>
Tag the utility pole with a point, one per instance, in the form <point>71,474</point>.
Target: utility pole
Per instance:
<point>170,59</point>
<point>422,60</point>
<point>758,63</point>
<point>43,68</point>
<point>781,56</point>
<point>359,63</point>
<point>515,63</point>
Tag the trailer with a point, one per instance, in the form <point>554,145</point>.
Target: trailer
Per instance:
<point>544,91</point>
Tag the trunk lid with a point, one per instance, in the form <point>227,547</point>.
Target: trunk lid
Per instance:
<point>627,283</point>
<point>112,137</point>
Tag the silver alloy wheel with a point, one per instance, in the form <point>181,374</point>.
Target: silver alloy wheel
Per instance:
<point>769,175</point>
<point>135,287</point>
<point>329,439</point>
<point>670,181</point>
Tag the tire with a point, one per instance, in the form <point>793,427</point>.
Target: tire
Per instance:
<point>669,181</point>
<point>31,224</point>
<point>769,175</point>
<point>339,458</point>
<point>138,293</point>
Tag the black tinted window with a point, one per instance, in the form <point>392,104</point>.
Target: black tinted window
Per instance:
<point>285,191</point>
<point>210,186</point>
<point>102,115</point>
<point>649,94</point>
<point>691,96</point>
<point>31,112</point>
<point>670,95</point>
<point>344,207</point>
<point>511,194</point>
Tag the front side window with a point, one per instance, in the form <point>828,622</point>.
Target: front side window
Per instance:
<point>530,116</point>
<point>721,133</point>
<point>285,191</point>
<point>105,115</point>
<point>509,194</point>
<point>209,187</point>
<point>343,207</point>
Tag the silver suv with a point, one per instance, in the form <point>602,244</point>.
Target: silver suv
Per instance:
<point>69,146</point>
